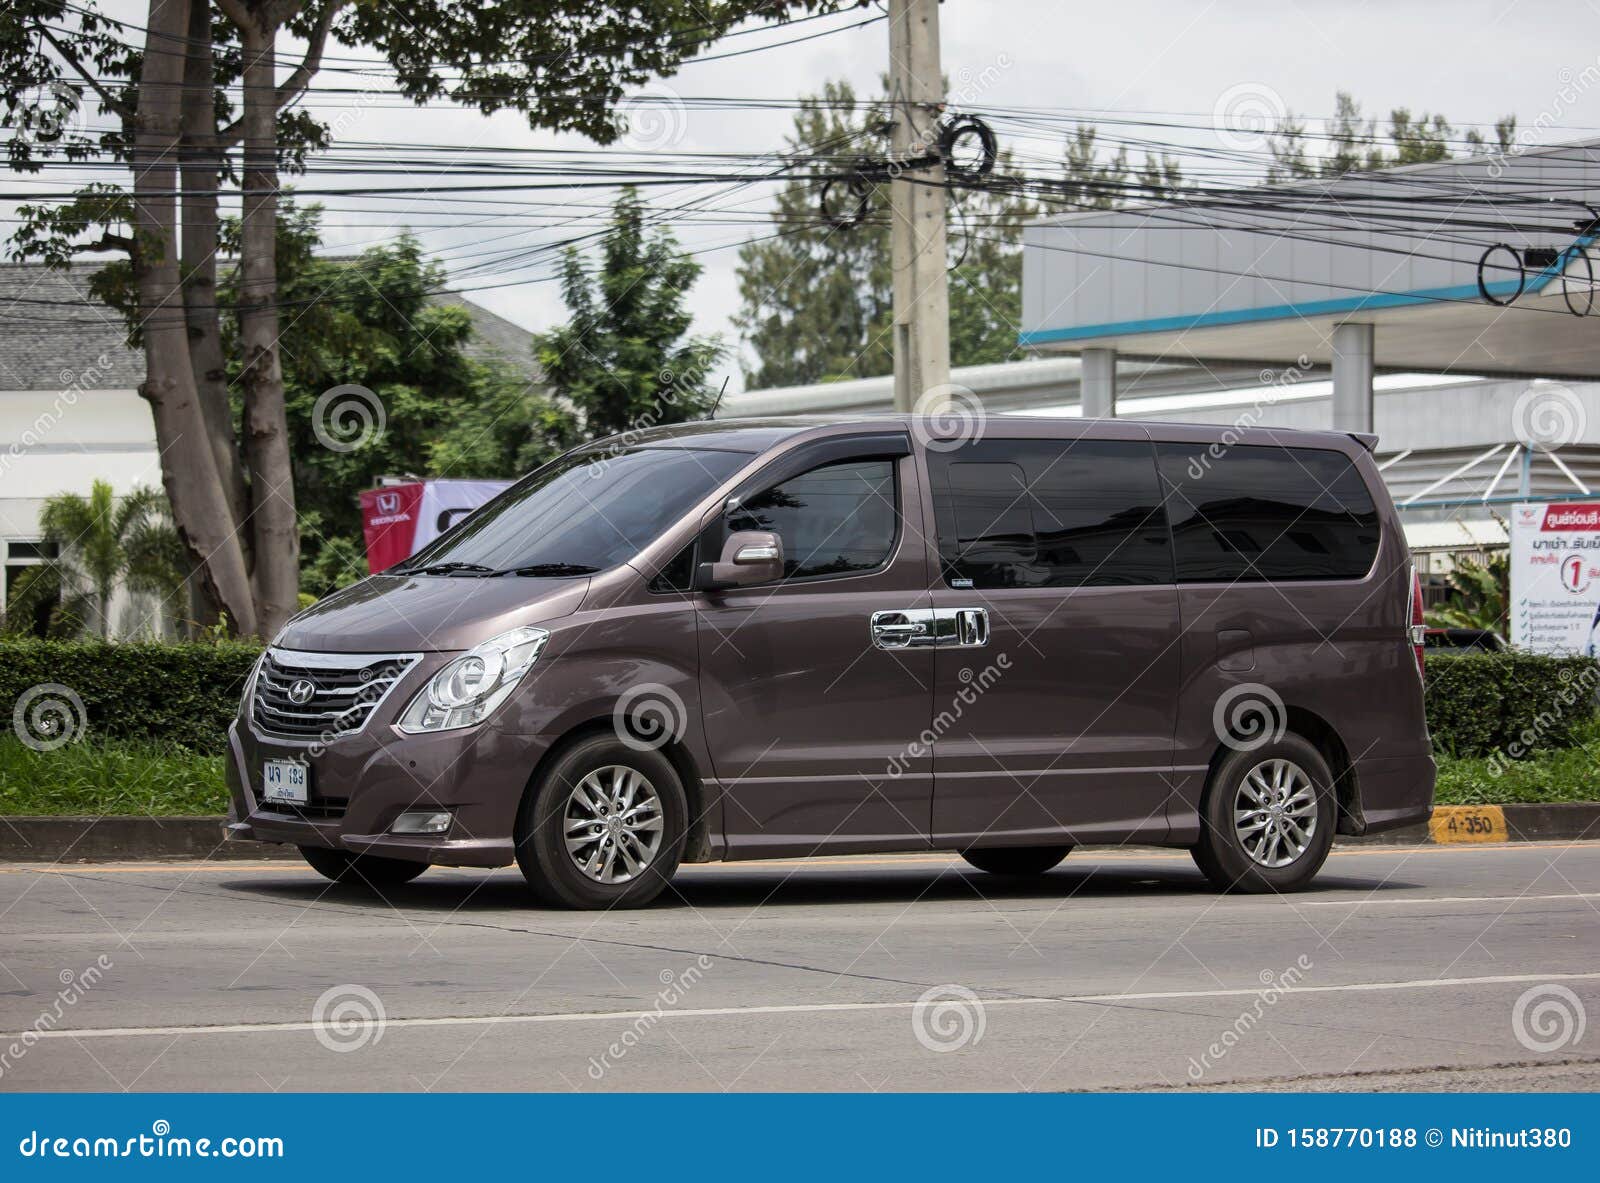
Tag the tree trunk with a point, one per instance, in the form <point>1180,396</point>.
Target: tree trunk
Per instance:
<point>201,169</point>
<point>274,529</point>
<point>188,468</point>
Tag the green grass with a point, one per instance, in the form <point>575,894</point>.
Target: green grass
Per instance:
<point>109,776</point>
<point>1560,774</point>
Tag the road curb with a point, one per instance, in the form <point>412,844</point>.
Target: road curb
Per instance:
<point>1454,824</point>
<point>111,839</point>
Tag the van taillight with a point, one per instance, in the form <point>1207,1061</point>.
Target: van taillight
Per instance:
<point>1417,630</point>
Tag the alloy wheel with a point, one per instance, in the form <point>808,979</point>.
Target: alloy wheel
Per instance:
<point>613,824</point>
<point>1275,812</point>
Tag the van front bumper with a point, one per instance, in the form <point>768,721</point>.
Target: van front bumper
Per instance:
<point>360,784</point>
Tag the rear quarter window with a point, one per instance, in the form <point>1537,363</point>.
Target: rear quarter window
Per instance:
<point>1265,513</point>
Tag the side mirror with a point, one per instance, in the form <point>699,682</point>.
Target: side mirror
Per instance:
<point>748,557</point>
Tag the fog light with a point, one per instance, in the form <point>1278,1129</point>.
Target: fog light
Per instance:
<point>421,822</point>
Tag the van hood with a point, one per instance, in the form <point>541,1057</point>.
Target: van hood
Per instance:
<point>427,613</point>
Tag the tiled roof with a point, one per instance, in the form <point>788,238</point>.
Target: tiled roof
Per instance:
<point>53,335</point>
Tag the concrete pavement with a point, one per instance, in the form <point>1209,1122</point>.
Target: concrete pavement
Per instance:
<point>1427,967</point>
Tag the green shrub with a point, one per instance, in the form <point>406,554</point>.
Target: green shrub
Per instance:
<point>1513,703</point>
<point>176,695</point>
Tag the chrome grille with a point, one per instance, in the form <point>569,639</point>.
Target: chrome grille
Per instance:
<point>321,696</point>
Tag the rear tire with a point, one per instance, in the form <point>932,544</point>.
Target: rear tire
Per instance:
<point>361,870</point>
<point>604,827</point>
<point>1268,817</point>
<point>1016,860</point>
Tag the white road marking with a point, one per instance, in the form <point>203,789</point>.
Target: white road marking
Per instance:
<point>799,1008</point>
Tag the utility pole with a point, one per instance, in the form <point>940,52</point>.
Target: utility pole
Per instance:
<point>917,208</point>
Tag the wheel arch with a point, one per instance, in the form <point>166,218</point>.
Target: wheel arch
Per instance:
<point>697,846</point>
<point>1322,735</point>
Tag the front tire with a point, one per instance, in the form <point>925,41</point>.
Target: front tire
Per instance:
<point>604,827</point>
<point>1016,860</point>
<point>361,870</point>
<point>1268,818</point>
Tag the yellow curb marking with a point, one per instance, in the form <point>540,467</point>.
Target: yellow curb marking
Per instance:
<point>1468,823</point>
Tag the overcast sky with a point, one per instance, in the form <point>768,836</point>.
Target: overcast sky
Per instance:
<point>1472,61</point>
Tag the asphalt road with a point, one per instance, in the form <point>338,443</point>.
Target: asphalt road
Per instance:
<point>1404,968</point>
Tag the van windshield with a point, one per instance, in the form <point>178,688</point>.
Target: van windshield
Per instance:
<point>579,514</point>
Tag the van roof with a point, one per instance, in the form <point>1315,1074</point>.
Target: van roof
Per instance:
<point>757,435</point>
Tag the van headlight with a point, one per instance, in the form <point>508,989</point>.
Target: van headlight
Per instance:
<point>466,691</point>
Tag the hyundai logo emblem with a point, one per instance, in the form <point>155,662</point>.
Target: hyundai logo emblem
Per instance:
<point>300,693</point>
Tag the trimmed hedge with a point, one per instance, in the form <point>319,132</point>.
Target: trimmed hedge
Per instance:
<point>1512,703</point>
<point>183,695</point>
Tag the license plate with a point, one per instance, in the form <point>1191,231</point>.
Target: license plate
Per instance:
<point>286,780</point>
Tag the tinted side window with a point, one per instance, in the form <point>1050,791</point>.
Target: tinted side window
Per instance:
<point>1258,513</point>
<point>1050,513</point>
<point>833,520</point>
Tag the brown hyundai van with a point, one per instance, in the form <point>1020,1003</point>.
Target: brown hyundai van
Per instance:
<point>767,638</point>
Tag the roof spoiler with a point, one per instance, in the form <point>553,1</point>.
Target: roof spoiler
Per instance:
<point>1366,439</point>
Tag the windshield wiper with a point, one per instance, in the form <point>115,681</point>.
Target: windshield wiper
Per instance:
<point>450,569</point>
<point>550,570</point>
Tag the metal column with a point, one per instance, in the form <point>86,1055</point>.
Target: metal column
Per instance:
<point>1097,384</point>
<point>1352,377</point>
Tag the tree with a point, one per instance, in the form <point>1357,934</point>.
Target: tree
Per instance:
<point>816,301</point>
<point>99,544</point>
<point>563,65</point>
<point>1354,145</point>
<point>418,403</point>
<point>623,359</point>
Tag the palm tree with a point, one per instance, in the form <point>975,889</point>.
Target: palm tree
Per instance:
<point>100,542</point>
<point>1480,596</point>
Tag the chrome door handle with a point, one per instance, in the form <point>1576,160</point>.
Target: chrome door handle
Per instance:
<point>902,629</point>
<point>953,628</point>
<point>972,627</point>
